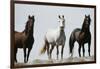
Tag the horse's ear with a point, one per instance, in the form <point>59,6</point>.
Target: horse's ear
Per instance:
<point>29,17</point>
<point>32,15</point>
<point>59,16</point>
<point>85,15</point>
<point>89,15</point>
<point>62,16</point>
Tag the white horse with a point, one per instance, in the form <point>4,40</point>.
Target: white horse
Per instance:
<point>55,37</point>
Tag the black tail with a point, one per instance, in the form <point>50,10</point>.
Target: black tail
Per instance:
<point>71,43</point>
<point>73,38</point>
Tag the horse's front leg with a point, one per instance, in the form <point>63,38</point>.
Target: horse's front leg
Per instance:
<point>89,44</point>
<point>62,51</point>
<point>83,50</point>
<point>57,51</point>
<point>29,49</point>
<point>24,55</point>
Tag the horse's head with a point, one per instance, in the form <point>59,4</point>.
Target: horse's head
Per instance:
<point>62,21</point>
<point>87,21</point>
<point>30,24</point>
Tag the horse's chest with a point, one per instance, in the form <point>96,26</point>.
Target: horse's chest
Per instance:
<point>29,41</point>
<point>84,37</point>
<point>61,39</point>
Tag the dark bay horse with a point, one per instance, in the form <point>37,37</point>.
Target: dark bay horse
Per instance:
<point>25,39</point>
<point>82,36</point>
<point>55,38</point>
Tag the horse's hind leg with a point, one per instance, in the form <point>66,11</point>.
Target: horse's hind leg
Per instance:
<point>79,50</point>
<point>89,44</point>
<point>24,55</point>
<point>62,51</point>
<point>57,51</point>
<point>15,53</point>
<point>48,51</point>
<point>52,47</point>
<point>29,49</point>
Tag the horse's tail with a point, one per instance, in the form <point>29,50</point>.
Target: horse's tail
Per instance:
<point>44,47</point>
<point>73,38</point>
<point>71,43</point>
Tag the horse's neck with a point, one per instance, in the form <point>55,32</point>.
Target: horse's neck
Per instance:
<point>61,31</point>
<point>29,34</point>
<point>85,29</point>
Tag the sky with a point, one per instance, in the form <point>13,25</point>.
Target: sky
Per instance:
<point>46,17</point>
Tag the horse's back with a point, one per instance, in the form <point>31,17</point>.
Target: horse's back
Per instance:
<point>19,39</point>
<point>75,34</point>
<point>19,35</point>
<point>52,35</point>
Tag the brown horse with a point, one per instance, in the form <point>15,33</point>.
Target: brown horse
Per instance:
<point>82,36</point>
<point>25,39</point>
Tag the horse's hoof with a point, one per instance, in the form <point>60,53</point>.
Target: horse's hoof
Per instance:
<point>83,55</point>
<point>25,61</point>
<point>16,61</point>
<point>79,55</point>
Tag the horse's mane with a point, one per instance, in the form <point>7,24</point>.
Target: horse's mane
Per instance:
<point>83,25</point>
<point>26,28</point>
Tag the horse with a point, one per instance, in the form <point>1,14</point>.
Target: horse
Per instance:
<point>55,37</point>
<point>25,39</point>
<point>82,36</point>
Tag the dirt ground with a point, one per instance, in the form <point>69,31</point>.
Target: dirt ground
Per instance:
<point>53,61</point>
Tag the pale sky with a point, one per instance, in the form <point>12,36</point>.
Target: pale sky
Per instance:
<point>46,17</point>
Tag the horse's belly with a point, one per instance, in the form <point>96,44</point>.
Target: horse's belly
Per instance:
<point>51,37</point>
<point>50,40</point>
<point>61,41</point>
<point>19,44</point>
